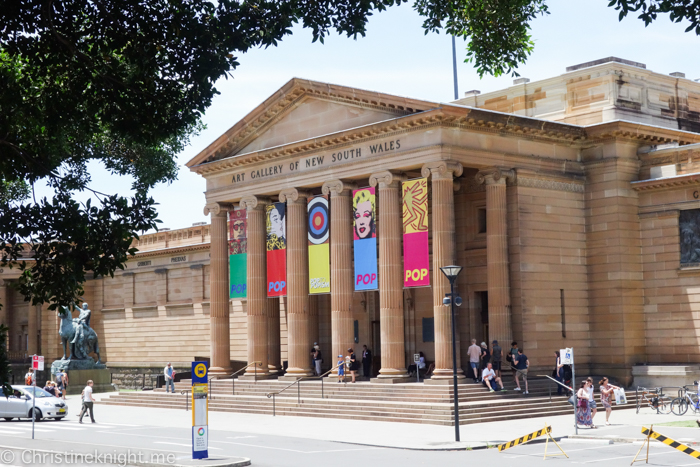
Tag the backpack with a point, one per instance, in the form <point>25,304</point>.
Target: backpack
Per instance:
<point>28,379</point>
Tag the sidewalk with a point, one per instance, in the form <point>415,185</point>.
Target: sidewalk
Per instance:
<point>626,426</point>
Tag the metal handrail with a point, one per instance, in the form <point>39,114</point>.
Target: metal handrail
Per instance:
<point>549,386</point>
<point>187,399</point>
<point>233,381</point>
<point>298,383</point>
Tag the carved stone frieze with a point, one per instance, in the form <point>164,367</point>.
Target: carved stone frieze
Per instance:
<point>551,184</point>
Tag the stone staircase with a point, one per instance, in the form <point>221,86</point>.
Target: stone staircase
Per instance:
<point>408,402</point>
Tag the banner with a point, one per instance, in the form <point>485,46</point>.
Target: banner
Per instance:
<point>416,257</point>
<point>275,222</point>
<point>238,253</point>
<point>319,246</point>
<point>365,239</point>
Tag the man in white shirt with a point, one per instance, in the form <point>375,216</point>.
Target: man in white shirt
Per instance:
<point>88,401</point>
<point>490,380</point>
<point>169,373</point>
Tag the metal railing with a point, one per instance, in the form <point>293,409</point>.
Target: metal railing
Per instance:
<point>233,380</point>
<point>298,383</point>
<point>187,399</point>
<point>549,385</point>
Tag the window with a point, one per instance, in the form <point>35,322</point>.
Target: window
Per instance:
<point>428,330</point>
<point>481,220</point>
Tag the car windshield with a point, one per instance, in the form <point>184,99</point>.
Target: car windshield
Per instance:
<point>39,392</point>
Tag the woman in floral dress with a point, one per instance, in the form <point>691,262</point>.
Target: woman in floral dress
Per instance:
<point>606,392</point>
<point>583,410</point>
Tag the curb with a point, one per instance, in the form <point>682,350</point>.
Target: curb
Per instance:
<point>478,445</point>
<point>210,462</point>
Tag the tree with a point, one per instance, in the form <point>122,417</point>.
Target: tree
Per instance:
<point>126,83</point>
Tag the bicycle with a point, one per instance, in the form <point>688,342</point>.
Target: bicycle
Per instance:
<point>655,398</point>
<point>680,404</point>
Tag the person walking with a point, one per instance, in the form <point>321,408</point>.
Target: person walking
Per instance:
<point>485,356</point>
<point>64,381</point>
<point>88,402</point>
<point>474,352</point>
<point>606,392</point>
<point>366,362</point>
<point>30,377</point>
<point>496,357</point>
<point>318,360</point>
<point>583,411</point>
<point>591,398</point>
<point>559,373</point>
<point>512,355</point>
<point>354,364</point>
<point>169,373</point>
<point>521,366</point>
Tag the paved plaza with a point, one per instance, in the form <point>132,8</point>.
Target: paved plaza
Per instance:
<point>145,433</point>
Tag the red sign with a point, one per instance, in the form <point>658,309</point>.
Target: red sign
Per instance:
<point>38,362</point>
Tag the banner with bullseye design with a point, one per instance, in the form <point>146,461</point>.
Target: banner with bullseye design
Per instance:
<point>319,246</point>
<point>365,239</point>
<point>275,222</point>
<point>238,253</point>
<point>416,257</point>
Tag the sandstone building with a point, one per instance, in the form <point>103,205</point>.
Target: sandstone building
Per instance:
<point>572,203</point>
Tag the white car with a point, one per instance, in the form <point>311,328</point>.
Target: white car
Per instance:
<point>19,404</point>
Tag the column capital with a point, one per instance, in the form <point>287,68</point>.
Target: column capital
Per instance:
<point>292,195</point>
<point>2,282</point>
<point>442,169</point>
<point>338,188</point>
<point>254,203</point>
<point>216,209</point>
<point>386,179</point>
<point>495,176</point>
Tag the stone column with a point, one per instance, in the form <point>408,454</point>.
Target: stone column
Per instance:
<point>389,230</point>
<point>299,340</point>
<point>256,292</point>
<point>443,228</point>
<point>219,286</point>
<point>274,352</point>
<point>341,267</point>
<point>497,253</point>
<point>32,329</point>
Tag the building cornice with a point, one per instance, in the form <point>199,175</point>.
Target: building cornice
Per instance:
<point>172,250</point>
<point>658,184</point>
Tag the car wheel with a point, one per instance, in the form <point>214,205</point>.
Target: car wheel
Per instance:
<point>37,415</point>
<point>8,419</point>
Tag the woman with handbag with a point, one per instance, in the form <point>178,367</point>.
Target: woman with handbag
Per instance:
<point>583,411</point>
<point>606,392</point>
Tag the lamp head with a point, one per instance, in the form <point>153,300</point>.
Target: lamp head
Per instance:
<point>451,272</point>
<point>458,301</point>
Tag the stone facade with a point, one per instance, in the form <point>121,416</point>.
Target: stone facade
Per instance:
<point>568,226</point>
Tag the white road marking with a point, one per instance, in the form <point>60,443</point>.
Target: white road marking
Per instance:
<point>296,450</point>
<point>631,456</point>
<point>552,445</point>
<point>181,444</point>
<point>29,428</point>
<point>240,437</point>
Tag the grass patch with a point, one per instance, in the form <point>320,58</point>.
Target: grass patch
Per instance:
<point>683,423</point>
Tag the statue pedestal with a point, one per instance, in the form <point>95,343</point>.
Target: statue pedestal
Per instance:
<point>80,371</point>
<point>77,380</point>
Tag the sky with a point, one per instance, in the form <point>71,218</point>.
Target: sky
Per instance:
<point>396,57</point>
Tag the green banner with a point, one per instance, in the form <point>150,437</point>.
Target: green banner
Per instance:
<point>238,253</point>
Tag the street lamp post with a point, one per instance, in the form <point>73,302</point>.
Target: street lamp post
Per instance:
<point>451,272</point>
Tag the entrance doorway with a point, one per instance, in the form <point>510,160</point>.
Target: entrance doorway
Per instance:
<point>481,333</point>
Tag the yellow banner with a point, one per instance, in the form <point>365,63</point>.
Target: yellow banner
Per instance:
<point>319,246</point>
<point>415,205</point>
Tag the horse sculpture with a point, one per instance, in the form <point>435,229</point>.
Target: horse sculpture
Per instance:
<point>86,341</point>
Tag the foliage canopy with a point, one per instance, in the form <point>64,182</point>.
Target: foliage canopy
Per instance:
<point>126,83</point>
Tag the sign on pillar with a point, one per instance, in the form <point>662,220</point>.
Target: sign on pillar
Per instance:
<point>38,362</point>
<point>200,411</point>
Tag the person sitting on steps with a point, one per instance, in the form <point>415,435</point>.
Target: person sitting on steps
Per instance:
<point>490,380</point>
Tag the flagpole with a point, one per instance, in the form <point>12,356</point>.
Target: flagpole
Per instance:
<point>454,66</point>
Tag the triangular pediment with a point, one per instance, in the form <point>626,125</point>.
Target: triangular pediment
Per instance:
<point>314,117</point>
<point>304,109</point>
